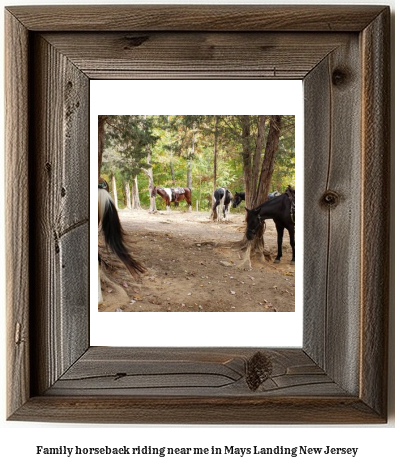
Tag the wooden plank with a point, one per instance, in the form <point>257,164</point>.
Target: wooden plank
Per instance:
<point>376,211</point>
<point>198,410</point>
<point>191,372</point>
<point>61,207</point>
<point>317,111</point>
<point>344,180</point>
<point>193,17</point>
<point>73,273</point>
<point>17,213</point>
<point>196,55</point>
<point>333,225</point>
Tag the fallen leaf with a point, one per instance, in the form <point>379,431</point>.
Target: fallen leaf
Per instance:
<point>226,263</point>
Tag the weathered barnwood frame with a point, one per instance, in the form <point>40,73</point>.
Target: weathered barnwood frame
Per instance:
<point>342,54</point>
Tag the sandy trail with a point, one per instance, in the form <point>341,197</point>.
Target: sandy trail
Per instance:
<point>191,266</point>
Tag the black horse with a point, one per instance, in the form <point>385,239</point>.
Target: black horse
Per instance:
<point>239,197</point>
<point>221,200</point>
<point>282,210</point>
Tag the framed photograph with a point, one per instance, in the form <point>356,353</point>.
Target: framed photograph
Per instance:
<point>339,375</point>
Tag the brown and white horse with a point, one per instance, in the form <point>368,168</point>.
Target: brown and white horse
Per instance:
<point>113,233</point>
<point>175,195</point>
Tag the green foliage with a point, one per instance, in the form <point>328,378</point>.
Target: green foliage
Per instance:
<point>177,143</point>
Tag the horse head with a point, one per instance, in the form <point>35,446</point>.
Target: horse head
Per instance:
<point>236,200</point>
<point>154,192</point>
<point>254,221</point>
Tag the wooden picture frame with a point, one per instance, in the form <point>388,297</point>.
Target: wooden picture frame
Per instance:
<point>340,373</point>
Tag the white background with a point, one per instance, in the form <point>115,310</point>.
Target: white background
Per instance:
<point>210,97</point>
<point>18,440</point>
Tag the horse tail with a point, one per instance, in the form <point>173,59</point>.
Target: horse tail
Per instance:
<point>113,232</point>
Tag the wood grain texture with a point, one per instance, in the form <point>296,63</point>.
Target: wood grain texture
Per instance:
<point>332,229</point>
<point>375,211</point>
<point>60,122</point>
<point>198,410</point>
<point>339,376</point>
<point>17,213</point>
<point>190,372</point>
<point>196,18</point>
<point>196,55</point>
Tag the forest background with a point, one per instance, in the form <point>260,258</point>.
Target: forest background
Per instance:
<point>195,151</point>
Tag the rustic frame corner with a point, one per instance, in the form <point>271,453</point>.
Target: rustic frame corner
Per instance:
<point>340,374</point>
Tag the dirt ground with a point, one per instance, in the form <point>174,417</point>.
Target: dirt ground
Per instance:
<point>193,265</point>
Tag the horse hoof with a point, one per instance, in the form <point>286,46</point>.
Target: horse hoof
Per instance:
<point>276,261</point>
<point>293,261</point>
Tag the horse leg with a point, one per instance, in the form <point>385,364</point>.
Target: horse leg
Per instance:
<point>188,199</point>
<point>221,210</point>
<point>291,232</point>
<point>215,211</point>
<point>280,234</point>
<point>168,204</point>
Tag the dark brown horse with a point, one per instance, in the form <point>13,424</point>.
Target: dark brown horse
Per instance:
<point>175,195</point>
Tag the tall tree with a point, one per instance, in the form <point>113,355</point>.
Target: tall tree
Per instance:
<point>215,153</point>
<point>258,172</point>
<point>130,136</point>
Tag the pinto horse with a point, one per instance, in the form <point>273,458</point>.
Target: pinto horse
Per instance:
<point>221,203</point>
<point>282,210</point>
<point>175,195</point>
<point>113,234</point>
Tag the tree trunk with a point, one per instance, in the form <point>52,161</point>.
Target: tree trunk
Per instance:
<point>172,169</point>
<point>101,124</point>
<point>270,157</point>
<point>150,174</point>
<point>215,154</point>
<point>114,191</point>
<point>189,173</point>
<point>190,159</point>
<point>257,245</point>
<point>246,152</point>
<point>126,188</point>
<point>135,194</point>
<point>257,159</point>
